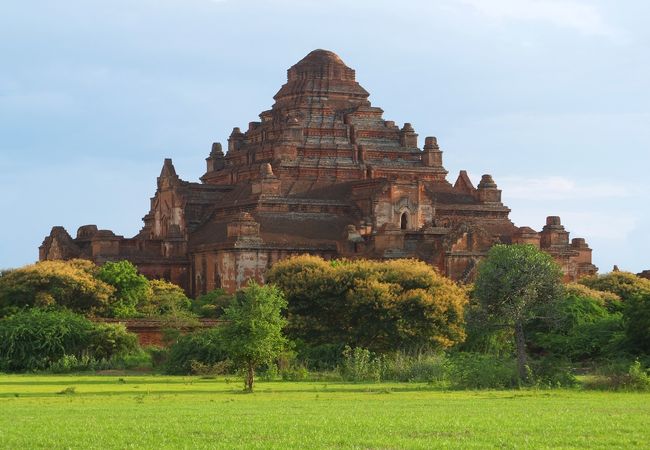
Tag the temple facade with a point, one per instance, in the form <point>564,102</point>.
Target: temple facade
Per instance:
<point>321,172</point>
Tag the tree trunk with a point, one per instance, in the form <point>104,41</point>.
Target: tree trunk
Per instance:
<point>250,376</point>
<point>520,341</point>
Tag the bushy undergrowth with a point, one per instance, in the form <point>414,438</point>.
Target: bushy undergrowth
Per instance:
<point>621,376</point>
<point>324,357</point>
<point>38,340</point>
<point>455,371</point>
<point>136,360</point>
<point>360,364</point>
<point>481,371</point>
<point>423,367</point>
<point>204,348</point>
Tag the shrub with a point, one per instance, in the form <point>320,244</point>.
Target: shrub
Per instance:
<point>583,327</point>
<point>131,288</point>
<point>484,336</point>
<point>166,299</point>
<point>109,340</point>
<point>360,364</point>
<point>624,284</point>
<point>217,368</point>
<point>294,373</point>
<point>36,340</point>
<point>135,360</point>
<point>379,305</point>
<point>320,357</point>
<point>423,367</point>
<point>630,377</point>
<point>212,304</point>
<point>552,372</point>
<point>636,316</point>
<point>638,378</point>
<point>54,284</point>
<point>205,347</point>
<point>479,371</point>
<point>159,356</point>
<point>72,363</point>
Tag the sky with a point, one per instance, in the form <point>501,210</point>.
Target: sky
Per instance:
<point>551,97</point>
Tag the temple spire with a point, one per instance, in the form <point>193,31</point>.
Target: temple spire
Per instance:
<point>168,175</point>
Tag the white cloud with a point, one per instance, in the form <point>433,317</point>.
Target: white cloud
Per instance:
<point>579,16</point>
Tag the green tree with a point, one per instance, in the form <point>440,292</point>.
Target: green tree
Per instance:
<point>516,284</point>
<point>253,333</point>
<point>634,293</point>
<point>636,317</point>
<point>206,347</point>
<point>34,339</point>
<point>131,288</point>
<point>582,328</point>
<point>166,299</point>
<point>211,304</point>
<point>379,305</point>
<point>624,284</point>
<point>54,284</point>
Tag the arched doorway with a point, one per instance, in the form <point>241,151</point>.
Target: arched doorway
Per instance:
<point>404,221</point>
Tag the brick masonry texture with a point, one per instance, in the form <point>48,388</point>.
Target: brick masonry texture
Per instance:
<point>322,173</point>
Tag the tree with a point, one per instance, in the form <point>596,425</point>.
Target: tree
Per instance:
<point>54,284</point>
<point>583,326</point>
<point>636,316</point>
<point>205,347</point>
<point>624,284</point>
<point>379,305</point>
<point>211,304</point>
<point>166,299</point>
<point>516,284</point>
<point>253,333</point>
<point>634,293</point>
<point>131,288</point>
<point>34,339</point>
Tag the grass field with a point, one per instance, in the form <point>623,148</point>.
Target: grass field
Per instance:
<point>190,412</point>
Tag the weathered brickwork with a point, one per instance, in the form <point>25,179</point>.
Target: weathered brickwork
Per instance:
<point>321,172</point>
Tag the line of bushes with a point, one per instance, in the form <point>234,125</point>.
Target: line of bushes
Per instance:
<point>203,353</point>
<point>36,339</point>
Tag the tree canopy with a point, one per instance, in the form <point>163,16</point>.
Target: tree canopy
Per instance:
<point>253,332</point>
<point>516,284</point>
<point>131,288</point>
<point>379,305</point>
<point>49,284</point>
<point>624,284</point>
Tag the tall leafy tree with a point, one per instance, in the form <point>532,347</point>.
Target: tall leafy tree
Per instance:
<point>634,292</point>
<point>131,288</point>
<point>166,299</point>
<point>54,284</point>
<point>637,323</point>
<point>515,285</point>
<point>624,284</point>
<point>253,333</point>
<point>379,305</point>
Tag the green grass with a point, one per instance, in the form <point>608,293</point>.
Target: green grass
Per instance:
<point>190,412</point>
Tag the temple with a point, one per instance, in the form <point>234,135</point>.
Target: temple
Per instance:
<point>322,172</point>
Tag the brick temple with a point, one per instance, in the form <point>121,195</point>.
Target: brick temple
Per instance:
<point>321,172</point>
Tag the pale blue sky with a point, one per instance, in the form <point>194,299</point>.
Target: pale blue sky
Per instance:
<point>552,97</point>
